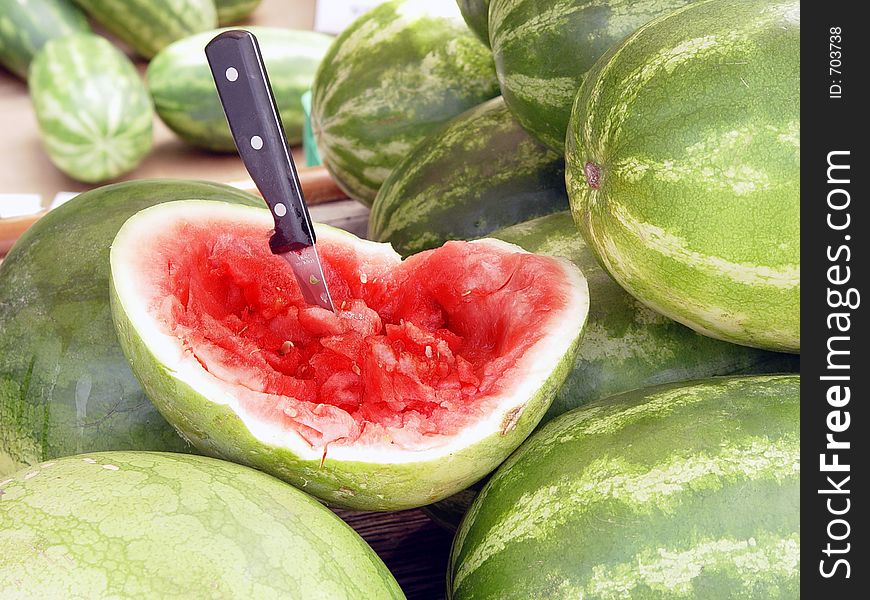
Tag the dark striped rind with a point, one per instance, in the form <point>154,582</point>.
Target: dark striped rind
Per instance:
<point>148,26</point>
<point>626,345</point>
<point>389,80</point>
<point>162,525</point>
<point>232,11</point>
<point>25,26</point>
<point>476,15</point>
<point>678,491</point>
<point>543,48</point>
<point>683,169</point>
<point>184,95</point>
<point>93,110</point>
<point>65,386</point>
<point>479,173</point>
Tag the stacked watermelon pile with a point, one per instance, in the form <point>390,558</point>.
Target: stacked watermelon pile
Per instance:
<point>578,350</point>
<point>95,112</point>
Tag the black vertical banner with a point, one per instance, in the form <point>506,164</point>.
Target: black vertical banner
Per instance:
<point>835,261</point>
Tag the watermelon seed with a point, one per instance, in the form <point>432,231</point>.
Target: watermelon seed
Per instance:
<point>285,347</point>
<point>355,368</point>
<point>363,278</point>
<point>313,280</point>
<point>428,351</point>
<point>242,330</point>
<point>254,351</point>
<point>593,175</point>
<point>466,292</point>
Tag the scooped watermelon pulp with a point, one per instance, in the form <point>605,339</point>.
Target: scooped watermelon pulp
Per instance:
<point>422,360</point>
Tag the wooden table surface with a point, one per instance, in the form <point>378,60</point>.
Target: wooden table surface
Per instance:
<point>413,547</point>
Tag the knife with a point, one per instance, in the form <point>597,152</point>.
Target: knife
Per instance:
<point>243,86</point>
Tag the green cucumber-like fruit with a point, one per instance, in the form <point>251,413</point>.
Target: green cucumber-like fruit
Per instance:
<point>65,386</point>
<point>93,110</point>
<point>543,48</point>
<point>476,15</point>
<point>428,374</point>
<point>163,525</point>
<point>683,168</point>
<point>25,26</point>
<point>625,346</point>
<point>479,173</point>
<point>232,11</point>
<point>677,491</point>
<point>148,26</point>
<point>184,95</point>
<point>397,74</point>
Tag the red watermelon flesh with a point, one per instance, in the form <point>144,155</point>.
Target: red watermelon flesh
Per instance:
<point>416,350</point>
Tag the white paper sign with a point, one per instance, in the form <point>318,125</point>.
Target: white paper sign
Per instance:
<point>332,16</point>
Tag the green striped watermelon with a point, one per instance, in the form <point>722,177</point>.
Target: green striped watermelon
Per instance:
<point>390,79</point>
<point>184,95</point>
<point>155,525</point>
<point>65,387</point>
<point>626,345</point>
<point>678,491</point>
<point>25,26</point>
<point>148,26</point>
<point>93,111</point>
<point>232,11</point>
<point>476,15</point>
<point>543,48</point>
<point>481,172</point>
<point>683,170</point>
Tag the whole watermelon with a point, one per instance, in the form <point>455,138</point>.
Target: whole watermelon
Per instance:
<point>683,168</point>
<point>184,95</point>
<point>543,48</point>
<point>393,77</point>
<point>65,386</point>
<point>93,111</point>
<point>479,173</point>
<point>677,491</point>
<point>626,345</point>
<point>232,11</point>
<point>148,26</point>
<point>476,15</point>
<point>161,525</point>
<point>26,26</point>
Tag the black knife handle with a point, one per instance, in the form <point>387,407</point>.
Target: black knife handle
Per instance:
<point>243,86</point>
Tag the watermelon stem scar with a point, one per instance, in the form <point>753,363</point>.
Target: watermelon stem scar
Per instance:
<point>593,175</point>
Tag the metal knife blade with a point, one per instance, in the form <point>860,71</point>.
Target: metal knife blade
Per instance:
<point>243,86</point>
<point>309,275</point>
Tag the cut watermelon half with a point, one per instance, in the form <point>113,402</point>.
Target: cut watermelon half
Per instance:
<point>430,372</point>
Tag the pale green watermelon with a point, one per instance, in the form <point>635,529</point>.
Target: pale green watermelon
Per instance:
<point>160,525</point>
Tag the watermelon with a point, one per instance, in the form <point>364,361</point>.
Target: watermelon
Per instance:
<point>543,49</point>
<point>684,168</point>
<point>476,15</point>
<point>148,26</point>
<point>394,76</point>
<point>184,95</point>
<point>93,111</point>
<point>65,387</point>
<point>25,26</point>
<point>429,374</point>
<point>625,345</point>
<point>677,491</point>
<point>233,11</point>
<point>161,525</point>
<point>481,172</point>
